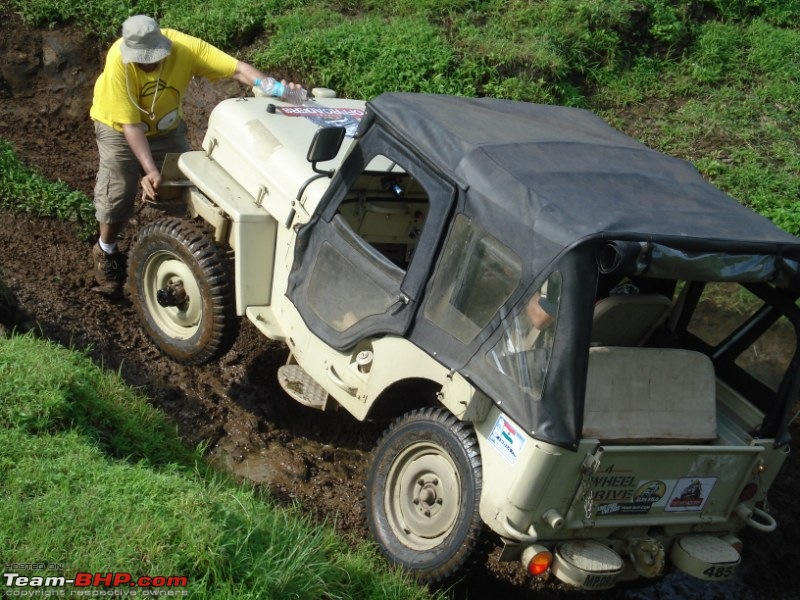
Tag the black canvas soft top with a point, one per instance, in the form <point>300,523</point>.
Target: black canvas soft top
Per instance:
<point>566,174</point>
<point>558,185</point>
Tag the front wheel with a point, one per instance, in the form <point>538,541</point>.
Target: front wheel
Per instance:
<point>181,288</point>
<point>423,492</point>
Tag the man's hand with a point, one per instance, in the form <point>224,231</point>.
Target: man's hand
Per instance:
<point>150,183</point>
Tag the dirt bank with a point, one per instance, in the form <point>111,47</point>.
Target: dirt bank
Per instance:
<point>234,406</point>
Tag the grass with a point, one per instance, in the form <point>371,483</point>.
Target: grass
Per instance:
<point>93,477</point>
<point>729,106</point>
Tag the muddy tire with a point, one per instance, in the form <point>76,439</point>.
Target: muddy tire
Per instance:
<point>181,288</point>
<point>423,492</point>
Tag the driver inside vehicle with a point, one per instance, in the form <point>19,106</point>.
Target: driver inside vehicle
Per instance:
<point>523,351</point>
<point>540,311</point>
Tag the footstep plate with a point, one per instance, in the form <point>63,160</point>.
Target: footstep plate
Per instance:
<point>300,386</point>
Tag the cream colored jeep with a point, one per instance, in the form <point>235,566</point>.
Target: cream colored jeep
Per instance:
<point>529,291</point>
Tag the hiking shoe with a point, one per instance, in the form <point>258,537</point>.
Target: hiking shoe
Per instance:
<point>109,272</point>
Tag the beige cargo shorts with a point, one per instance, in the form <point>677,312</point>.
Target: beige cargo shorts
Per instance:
<point>118,174</point>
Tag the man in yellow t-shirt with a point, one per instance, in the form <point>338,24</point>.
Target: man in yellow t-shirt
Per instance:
<point>137,117</point>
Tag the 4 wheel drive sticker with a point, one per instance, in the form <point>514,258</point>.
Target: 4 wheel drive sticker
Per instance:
<point>690,494</point>
<point>349,118</point>
<point>638,501</point>
<point>507,439</point>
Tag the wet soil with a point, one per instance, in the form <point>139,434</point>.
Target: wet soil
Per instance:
<point>234,406</point>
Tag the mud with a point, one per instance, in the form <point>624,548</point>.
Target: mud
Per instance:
<point>234,407</point>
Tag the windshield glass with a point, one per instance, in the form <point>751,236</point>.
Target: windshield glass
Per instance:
<point>524,350</point>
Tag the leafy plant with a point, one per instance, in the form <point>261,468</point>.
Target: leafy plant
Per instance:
<point>777,12</point>
<point>24,190</point>
<point>227,25</point>
<point>366,56</point>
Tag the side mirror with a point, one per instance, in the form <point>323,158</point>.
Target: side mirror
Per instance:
<point>325,146</point>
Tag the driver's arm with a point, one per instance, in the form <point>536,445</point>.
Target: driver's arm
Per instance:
<point>137,140</point>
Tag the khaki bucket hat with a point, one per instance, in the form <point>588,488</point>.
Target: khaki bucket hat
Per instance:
<point>142,41</point>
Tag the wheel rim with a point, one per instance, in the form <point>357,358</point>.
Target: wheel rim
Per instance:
<point>180,322</point>
<point>423,496</point>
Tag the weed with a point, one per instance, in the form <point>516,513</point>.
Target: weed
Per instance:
<point>23,190</point>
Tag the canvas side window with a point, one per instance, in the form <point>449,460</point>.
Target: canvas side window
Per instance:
<point>388,209</point>
<point>363,261</point>
<point>524,350</point>
<point>370,242</point>
<point>476,276</point>
<point>343,291</point>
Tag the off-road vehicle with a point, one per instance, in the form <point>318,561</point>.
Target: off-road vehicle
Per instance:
<point>529,292</point>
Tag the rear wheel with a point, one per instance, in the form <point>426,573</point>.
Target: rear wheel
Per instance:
<point>422,494</point>
<point>181,288</point>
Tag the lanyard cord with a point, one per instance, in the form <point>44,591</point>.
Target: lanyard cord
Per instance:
<point>150,115</point>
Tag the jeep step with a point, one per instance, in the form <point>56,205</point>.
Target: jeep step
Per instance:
<point>302,387</point>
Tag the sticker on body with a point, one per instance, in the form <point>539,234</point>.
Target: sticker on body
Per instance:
<point>690,494</point>
<point>507,439</point>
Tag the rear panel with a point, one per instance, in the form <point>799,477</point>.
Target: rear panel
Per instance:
<point>662,485</point>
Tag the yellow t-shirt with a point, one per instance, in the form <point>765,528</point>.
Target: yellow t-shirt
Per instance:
<point>158,94</point>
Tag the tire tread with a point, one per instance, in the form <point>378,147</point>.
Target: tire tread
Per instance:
<point>472,547</point>
<point>212,261</point>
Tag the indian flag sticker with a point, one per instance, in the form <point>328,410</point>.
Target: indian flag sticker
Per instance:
<point>507,438</point>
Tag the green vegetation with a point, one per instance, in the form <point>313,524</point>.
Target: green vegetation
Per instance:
<point>712,81</point>
<point>729,105</point>
<point>92,476</point>
<point>24,190</point>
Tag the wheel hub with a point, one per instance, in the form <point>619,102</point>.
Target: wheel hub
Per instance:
<point>423,496</point>
<point>429,496</point>
<point>173,294</point>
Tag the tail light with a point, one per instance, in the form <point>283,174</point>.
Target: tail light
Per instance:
<point>748,492</point>
<point>536,560</point>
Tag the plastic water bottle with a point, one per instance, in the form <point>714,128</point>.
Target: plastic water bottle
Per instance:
<point>296,95</point>
<point>272,87</point>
